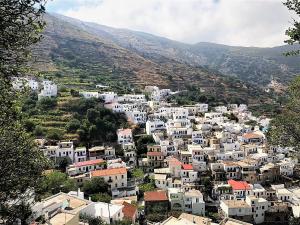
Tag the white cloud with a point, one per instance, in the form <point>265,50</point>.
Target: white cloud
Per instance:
<point>232,22</point>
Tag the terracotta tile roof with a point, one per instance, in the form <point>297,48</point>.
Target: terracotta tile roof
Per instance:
<point>174,161</point>
<point>124,132</point>
<point>152,196</point>
<point>187,166</point>
<point>88,163</point>
<point>108,172</point>
<point>239,185</point>
<point>129,210</point>
<point>251,135</point>
<point>154,153</point>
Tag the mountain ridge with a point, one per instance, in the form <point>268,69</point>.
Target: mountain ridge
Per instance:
<point>84,54</point>
<point>246,63</point>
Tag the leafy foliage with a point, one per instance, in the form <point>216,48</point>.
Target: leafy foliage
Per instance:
<point>293,32</point>
<point>97,124</point>
<point>101,197</point>
<point>285,128</point>
<point>138,173</point>
<point>55,182</point>
<point>96,185</point>
<point>147,185</point>
<point>21,161</point>
<point>46,103</point>
<point>142,142</point>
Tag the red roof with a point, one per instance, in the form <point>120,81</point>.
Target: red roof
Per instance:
<point>187,166</point>
<point>152,196</point>
<point>239,185</point>
<point>129,211</point>
<point>154,153</point>
<point>124,132</point>
<point>108,172</point>
<point>252,136</point>
<point>90,162</point>
<point>174,161</point>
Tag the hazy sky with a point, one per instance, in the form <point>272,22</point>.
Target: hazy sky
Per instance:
<point>233,22</point>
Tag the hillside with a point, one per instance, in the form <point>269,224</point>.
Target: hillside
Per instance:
<point>256,65</point>
<point>79,59</point>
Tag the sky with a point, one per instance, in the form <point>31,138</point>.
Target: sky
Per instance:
<point>260,23</point>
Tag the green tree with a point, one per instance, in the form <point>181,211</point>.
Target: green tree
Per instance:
<point>63,162</point>
<point>101,197</point>
<point>39,131</point>
<point>285,128</point>
<point>54,134</point>
<point>21,161</point>
<point>207,183</point>
<point>95,186</point>
<point>74,93</point>
<point>294,31</point>
<point>55,182</point>
<point>138,173</point>
<point>73,125</point>
<point>142,142</point>
<point>46,103</point>
<point>90,220</point>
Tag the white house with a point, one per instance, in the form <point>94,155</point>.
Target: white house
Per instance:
<point>286,167</point>
<point>284,194</point>
<point>85,167</point>
<point>132,98</point>
<point>188,175</point>
<point>221,109</point>
<point>80,154</point>
<point>193,202</point>
<point>259,208</point>
<point>65,149</point>
<point>19,83</point>
<point>198,137</point>
<point>137,116</point>
<point>109,213</point>
<point>108,97</point>
<point>49,89</point>
<point>115,177</point>
<point>90,94</point>
<point>202,107</point>
<point>124,136</point>
<point>154,125</point>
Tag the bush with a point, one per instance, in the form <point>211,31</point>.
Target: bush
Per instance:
<point>39,131</point>
<point>95,186</point>
<point>101,197</point>
<point>55,182</point>
<point>54,134</point>
<point>63,89</point>
<point>73,125</point>
<point>47,103</point>
<point>142,142</point>
<point>29,125</point>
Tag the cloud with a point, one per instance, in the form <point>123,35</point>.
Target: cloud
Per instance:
<point>232,22</point>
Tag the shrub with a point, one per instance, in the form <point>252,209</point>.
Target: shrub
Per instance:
<point>47,103</point>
